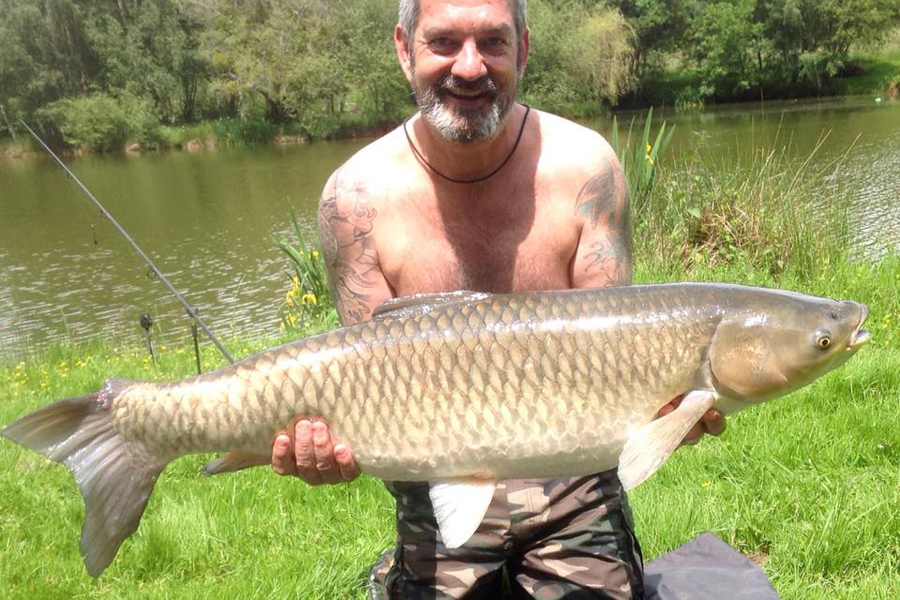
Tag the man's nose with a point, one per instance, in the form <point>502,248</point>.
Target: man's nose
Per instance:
<point>469,64</point>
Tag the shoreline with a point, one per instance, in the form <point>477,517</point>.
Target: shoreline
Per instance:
<point>286,134</point>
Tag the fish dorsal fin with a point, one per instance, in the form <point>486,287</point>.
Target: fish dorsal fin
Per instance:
<point>459,507</point>
<point>420,304</point>
<point>648,448</point>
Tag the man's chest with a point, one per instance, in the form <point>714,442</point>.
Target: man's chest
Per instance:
<point>521,244</point>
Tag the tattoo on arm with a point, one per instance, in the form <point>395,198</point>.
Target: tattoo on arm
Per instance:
<point>603,201</point>
<point>349,251</point>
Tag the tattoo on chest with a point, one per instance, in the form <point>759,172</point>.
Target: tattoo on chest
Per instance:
<point>349,250</point>
<point>603,202</point>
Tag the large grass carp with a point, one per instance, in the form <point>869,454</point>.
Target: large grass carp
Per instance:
<point>459,389</point>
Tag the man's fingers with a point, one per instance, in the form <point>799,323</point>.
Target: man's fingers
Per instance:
<point>693,436</point>
<point>305,453</point>
<point>282,456</point>
<point>713,422</point>
<point>346,463</point>
<point>324,452</point>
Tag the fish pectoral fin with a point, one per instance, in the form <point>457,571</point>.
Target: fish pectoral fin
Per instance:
<point>459,507</point>
<point>648,448</point>
<point>235,461</point>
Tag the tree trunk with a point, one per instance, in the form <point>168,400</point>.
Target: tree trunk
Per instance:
<point>12,130</point>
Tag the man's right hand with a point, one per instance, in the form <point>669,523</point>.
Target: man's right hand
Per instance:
<point>312,455</point>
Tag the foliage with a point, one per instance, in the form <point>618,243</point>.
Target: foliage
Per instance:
<point>659,27</point>
<point>308,299</point>
<point>579,54</point>
<point>321,66</point>
<point>309,60</point>
<point>771,48</point>
<point>101,122</point>
<point>640,159</point>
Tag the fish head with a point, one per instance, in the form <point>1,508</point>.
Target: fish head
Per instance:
<point>782,341</point>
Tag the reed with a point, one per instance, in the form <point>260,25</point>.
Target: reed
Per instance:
<point>772,213</point>
<point>308,299</point>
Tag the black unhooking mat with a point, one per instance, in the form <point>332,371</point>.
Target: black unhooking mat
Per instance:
<point>706,569</point>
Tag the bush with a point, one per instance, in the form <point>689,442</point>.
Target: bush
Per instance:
<point>102,122</point>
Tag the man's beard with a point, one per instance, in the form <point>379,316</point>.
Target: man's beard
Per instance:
<point>464,125</point>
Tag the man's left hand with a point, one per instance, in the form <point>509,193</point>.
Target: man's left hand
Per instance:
<point>712,422</point>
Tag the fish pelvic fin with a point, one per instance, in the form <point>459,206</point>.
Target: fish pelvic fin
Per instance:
<point>235,461</point>
<point>114,482</point>
<point>650,446</point>
<point>459,507</point>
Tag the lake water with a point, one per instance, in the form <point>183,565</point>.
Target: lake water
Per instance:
<point>208,220</point>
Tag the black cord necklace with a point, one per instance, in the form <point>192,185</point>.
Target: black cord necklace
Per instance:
<point>479,179</point>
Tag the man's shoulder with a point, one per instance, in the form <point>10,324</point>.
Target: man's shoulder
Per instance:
<point>572,151</point>
<point>369,173</point>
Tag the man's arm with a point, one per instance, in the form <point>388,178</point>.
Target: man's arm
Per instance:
<point>345,220</point>
<point>604,255</point>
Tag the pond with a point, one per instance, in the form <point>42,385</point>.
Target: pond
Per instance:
<point>208,220</point>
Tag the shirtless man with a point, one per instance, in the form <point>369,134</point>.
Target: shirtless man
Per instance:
<point>478,192</point>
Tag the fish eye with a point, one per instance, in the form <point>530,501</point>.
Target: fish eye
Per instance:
<point>823,341</point>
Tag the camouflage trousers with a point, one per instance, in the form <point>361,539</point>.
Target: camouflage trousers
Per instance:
<point>544,539</point>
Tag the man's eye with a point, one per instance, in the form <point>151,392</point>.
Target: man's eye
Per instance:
<point>439,44</point>
<point>493,44</point>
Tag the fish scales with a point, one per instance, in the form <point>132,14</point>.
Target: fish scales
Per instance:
<point>466,407</point>
<point>459,389</point>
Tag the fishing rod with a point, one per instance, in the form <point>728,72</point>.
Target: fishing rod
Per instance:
<point>187,307</point>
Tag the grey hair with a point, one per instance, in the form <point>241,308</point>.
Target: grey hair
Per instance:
<point>409,16</point>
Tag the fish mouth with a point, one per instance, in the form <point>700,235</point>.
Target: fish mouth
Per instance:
<point>860,336</point>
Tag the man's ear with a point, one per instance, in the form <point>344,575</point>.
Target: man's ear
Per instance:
<point>522,55</point>
<point>401,43</point>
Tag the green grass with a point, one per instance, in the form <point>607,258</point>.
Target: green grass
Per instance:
<point>879,71</point>
<point>809,485</point>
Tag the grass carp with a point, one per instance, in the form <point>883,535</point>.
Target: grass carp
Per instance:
<point>459,389</point>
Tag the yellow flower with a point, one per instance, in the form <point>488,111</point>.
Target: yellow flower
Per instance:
<point>308,299</point>
<point>314,253</point>
<point>649,147</point>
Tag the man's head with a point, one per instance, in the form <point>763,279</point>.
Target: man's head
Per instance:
<point>464,60</point>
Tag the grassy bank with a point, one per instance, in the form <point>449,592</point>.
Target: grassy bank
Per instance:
<point>208,135</point>
<point>809,486</point>
<point>875,74</point>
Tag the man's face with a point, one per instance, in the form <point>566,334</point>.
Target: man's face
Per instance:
<point>464,64</point>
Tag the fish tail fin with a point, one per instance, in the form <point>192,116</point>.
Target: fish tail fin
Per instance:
<point>114,483</point>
